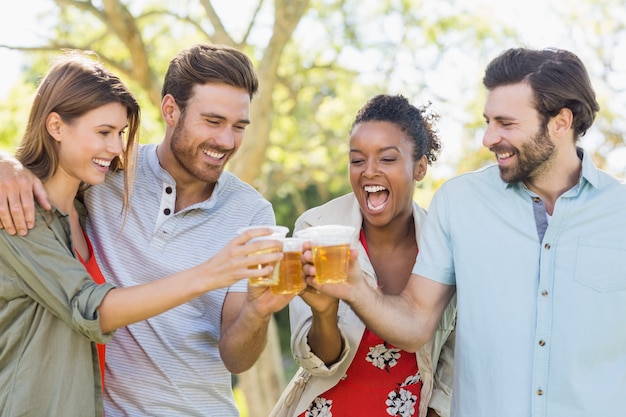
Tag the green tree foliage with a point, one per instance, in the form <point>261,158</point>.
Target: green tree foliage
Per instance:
<point>318,62</point>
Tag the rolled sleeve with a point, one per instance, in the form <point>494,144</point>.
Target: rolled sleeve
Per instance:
<point>45,268</point>
<point>314,365</point>
<point>300,318</point>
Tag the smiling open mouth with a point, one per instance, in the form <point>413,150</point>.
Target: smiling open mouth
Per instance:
<point>213,154</point>
<point>376,197</point>
<point>102,162</point>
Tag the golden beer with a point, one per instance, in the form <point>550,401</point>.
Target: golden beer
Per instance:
<point>266,280</point>
<point>278,232</point>
<point>290,279</point>
<point>331,263</point>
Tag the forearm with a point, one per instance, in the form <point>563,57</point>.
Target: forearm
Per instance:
<point>324,337</point>
<point>124,306</point>
<point>243,341</point>
<point>395,318</point>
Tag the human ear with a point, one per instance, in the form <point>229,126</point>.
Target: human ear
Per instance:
<point>420,168</point>
<point>563,121</point>
<point>170,110</point>
<point>54,125</point>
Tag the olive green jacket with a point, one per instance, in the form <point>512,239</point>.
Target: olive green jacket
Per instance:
<point>48,323</point>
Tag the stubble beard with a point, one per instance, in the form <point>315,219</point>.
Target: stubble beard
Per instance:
<point>187,156</point>
<point>533,159</point>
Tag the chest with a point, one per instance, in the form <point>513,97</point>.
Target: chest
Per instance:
<point>393,267</point>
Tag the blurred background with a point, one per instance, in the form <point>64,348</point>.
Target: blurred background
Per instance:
<point>318,62</point>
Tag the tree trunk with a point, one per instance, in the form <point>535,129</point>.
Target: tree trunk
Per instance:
<point>247,164</point>
<point>264,382</point>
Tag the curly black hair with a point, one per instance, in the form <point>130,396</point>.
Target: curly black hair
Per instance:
<point>417,122</point>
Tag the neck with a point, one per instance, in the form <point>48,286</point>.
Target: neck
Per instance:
<point>61,193</point>
<point>189,189</point>
<point>395,233</point>
<point>189,194</point>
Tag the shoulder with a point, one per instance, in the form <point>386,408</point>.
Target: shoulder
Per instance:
<point>488,175</point>
<point>232,183</point>
<point>231,190</point>
<point>419,213</point>
<point>341,210</point>
<point>49,226</point>
<point>45,219</point>
<point>473,187</point>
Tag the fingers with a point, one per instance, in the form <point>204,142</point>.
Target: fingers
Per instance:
<point>12,215</point>
<point>251,234</point>
<point>6,222</point>
<point>262,246</point>
<point>23,212</point>
<point>310,289</point>
<point>41,196</point>
<point>17,205</point>
<point>307,254</point>
<point>262,261</point>
<point>265,302</point>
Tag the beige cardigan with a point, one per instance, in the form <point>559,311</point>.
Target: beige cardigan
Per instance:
<point>314,377</point>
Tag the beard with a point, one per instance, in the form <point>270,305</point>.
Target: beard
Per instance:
<point>188,157</point>
<point>533,158</point>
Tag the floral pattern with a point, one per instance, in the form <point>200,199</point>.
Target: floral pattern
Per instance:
<point>320,407</point>
<point>395,392</point>
<point>383,357</point>
<point>402,402</point>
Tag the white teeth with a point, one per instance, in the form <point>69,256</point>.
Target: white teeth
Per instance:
<point>102,162</point>
<point>374,188</point>
<point>212,154</point>
<point>504,155</point>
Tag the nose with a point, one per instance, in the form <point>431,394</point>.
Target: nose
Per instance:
<point>370,168</point>
<point>116,145</point>
<point>225,139</point>
<point>491,136</point>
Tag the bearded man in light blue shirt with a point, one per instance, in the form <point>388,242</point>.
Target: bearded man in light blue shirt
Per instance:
<point>535,248</point>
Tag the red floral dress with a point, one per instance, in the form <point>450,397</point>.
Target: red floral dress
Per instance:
<point>381,381</point>
<point>94,270</point>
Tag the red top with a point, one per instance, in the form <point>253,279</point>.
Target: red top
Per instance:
<point>94,270</point>
<point>381,380</point>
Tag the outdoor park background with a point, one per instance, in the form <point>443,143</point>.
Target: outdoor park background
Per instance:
<point>318,62</point>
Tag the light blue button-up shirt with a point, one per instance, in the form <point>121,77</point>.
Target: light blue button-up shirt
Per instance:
<point>541,327</point>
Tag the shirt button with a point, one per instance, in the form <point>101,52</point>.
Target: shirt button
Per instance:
<point>536,199</point>
<point>542,343</point>
<point>547,246</point>
<point>168,190</point>
<point>167,211</point>
<point>539,391</point>
<point>544,293</point>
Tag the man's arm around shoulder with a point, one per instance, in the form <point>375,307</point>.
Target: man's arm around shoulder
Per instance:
<point>18,189</point>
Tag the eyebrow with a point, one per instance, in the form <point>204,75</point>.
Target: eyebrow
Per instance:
<point>219,116</point>
<point>106,125</point>
<point>386,148</point>
<point>500,118</point>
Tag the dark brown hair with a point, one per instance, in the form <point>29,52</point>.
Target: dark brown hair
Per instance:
<point>558,79</point>
<point>417,123</point>
<point>203,64</point>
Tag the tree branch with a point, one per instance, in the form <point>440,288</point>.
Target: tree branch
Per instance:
<point>221,35</point>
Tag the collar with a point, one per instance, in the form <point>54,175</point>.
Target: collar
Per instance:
<point>162,175</point>
<point>589,173</point>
